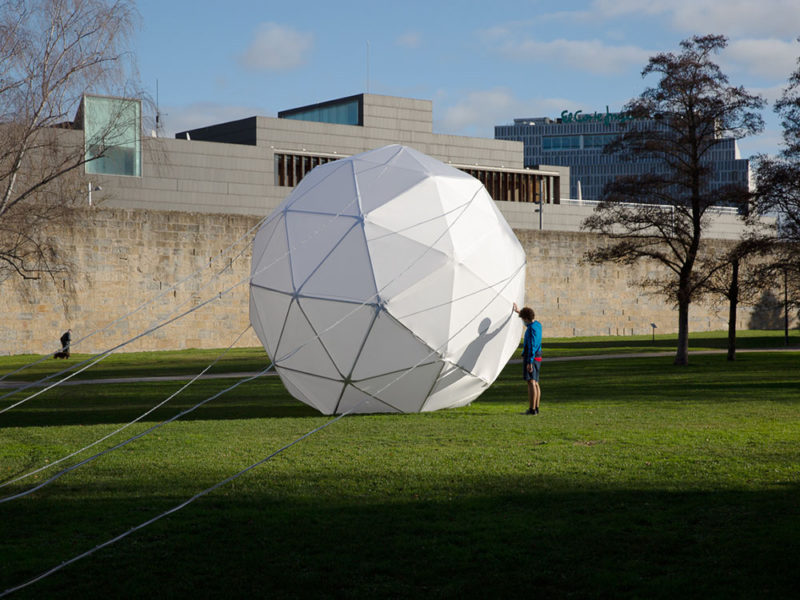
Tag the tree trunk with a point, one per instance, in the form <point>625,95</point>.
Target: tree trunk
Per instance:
<point>733,298</point>
<point>682,355</point>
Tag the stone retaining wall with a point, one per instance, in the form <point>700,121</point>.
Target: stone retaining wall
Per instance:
<point>124,258</point>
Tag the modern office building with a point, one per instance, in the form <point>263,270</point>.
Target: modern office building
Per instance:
<point>576,140</point>
<point>250,165</point>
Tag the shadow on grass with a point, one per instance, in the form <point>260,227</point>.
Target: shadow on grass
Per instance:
<point>498,538</point>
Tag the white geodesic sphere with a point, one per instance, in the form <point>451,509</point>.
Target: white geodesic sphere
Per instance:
<point>385,281</point>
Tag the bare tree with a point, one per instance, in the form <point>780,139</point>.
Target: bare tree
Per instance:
<point>739,275</point>
<point>661,216</point>
<point>778,193</point>
<point>51,53</point>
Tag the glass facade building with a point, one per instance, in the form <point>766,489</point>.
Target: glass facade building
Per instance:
<point>577,141</point>
<point>112,135</point>
<point>344,111</point>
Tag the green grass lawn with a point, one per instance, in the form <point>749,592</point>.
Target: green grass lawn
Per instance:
<point>191,362</point>
<point>637,480</point>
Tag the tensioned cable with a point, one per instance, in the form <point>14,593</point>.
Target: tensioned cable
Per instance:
<point>135,437</point>
<point>497,293</point>
<point>58,475</point>
<point>222,254</point>
<point>102,355</point>
<point>463,208</point>
<point>136,420</point>
<point>316,233</point>
<point>93,360</point>
<point>249,468</point>
<point>280,359</point>
<point>108,352</point>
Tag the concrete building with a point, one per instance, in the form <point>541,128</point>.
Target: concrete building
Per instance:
<point>250,165</point>
<point>576,140</point>
<point>161,211</point>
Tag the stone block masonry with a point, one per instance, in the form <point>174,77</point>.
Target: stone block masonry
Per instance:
<point>573,298</point>
<point>124,258</point>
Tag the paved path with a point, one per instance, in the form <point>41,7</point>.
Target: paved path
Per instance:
<point>243,375</point>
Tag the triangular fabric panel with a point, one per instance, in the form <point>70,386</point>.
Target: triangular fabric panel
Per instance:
<point>405,390</point>
<point>300,349</point>
<point>271,309</point>
<point>346,273</point>
<point>399,262</point>
<point>322,394</point>
<point>342,328</point>
<point>481,350</point>
<point>312,238</point>
<point>417,214</point>
<point>262,239</point>
<point>360,402</point>
<point>379,156</point>
<point>390,347</point>
<point>255,323</point>
<point>335,194</point>
<point>457,191</point>
<point>425,308</point>
<point>412,160</point>
<point>471,299</point>
<point>379,185</point>
<point>454,388</point>
<point>272,269</point>
<point>432,166</point>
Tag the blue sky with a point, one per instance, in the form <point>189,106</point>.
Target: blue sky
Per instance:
<point>481,63</point>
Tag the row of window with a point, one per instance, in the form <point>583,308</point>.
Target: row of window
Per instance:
<point>341,112</point>
<point>501,185</point>
<point>576,142</point>
<point>291,168</point>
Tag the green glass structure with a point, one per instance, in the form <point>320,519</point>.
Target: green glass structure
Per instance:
<point>345,111</point>
<point>112,135</point>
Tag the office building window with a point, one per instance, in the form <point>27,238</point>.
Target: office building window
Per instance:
<point>501,185</point>
<point>291,168</point>
<point>346,111</point>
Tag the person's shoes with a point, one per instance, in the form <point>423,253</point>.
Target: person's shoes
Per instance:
<point>530,411</point>
<point>536,410</point>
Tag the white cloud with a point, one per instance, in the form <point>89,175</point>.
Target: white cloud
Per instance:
<point>410,39</point>
<point>770,141</point>
<point>767,58</point>
<point>276,47</point>
<point>593,56</point>
<point>771,93</point>
<point>203,114</point>
<point>477,112</point>
<point>777,18</point>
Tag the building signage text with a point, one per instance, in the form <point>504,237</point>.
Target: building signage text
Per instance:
<point>596,117</point>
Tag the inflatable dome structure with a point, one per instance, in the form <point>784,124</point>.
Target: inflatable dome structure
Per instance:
<point>385,283</point>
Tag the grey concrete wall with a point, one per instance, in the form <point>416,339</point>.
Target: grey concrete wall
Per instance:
<point>195,177</point>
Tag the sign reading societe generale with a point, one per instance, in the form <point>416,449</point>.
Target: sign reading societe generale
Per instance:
<point>596,117</point>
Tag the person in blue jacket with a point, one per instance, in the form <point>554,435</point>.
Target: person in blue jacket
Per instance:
<point>531,357</point>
